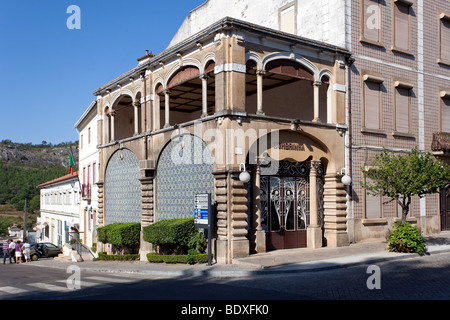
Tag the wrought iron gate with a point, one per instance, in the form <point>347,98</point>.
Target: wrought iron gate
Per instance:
<point>285,205</point>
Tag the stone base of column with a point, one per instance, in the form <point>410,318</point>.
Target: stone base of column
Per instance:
<point>260,241</point>
<point>222,251</point>
<point>144,249</point>
<point>314,237</point>
<point>240,249</point>
<point>336,238</point>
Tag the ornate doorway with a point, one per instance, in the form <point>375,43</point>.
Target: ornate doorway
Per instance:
<point>285,205</point>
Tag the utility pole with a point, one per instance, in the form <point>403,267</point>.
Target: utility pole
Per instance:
<point>25,221</point>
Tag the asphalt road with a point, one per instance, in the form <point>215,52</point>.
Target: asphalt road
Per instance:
<point>418,278</point>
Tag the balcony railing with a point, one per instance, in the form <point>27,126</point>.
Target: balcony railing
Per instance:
<point>441,142</point>
<point>86,191</point>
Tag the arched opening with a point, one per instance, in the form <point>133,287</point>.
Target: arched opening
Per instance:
<point>189,95</point>
<point>184,168</point>
<point>286,193</point>
<point>283,89</point>
<point>325,100</point>
<point>122,188</point>
<point>123,113</point>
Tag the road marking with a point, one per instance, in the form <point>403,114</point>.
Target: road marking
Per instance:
<point>88,284</point>
<point>106,279</point>
<point>12,290</point>
<point>49,287</point>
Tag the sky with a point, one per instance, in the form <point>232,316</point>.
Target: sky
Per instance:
<point>48,71</point>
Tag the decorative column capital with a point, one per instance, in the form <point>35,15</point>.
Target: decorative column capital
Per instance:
<point>317,83</point>
<point>261,72</point>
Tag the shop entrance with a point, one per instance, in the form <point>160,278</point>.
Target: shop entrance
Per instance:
<point>285,206</point>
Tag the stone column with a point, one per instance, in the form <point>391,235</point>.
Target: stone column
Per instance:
<point>335,212</point>
<point>157,112</point>
<point>167,108</point>
<point>112,136</point>
<point>136,117</point>
<point>204,78</point>
<point>260,234</point>
<point>314,231</point>
<point>316,85</point>
<point>259,82</point>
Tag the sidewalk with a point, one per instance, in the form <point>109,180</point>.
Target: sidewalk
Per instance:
<point>275,262</point>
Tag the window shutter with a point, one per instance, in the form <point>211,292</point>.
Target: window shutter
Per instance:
<point>445,114</point>
<point>373,207</point>
<point>402,110</point>
<point>445,40</point>
<point>401,26</point>
<point>372,105</point>
<point>371,32</point>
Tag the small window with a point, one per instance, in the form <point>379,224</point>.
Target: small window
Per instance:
<point>445,112</point>
<point>372,102</point>
<point>402,107</point>
<point>444,39</point>
<point>402,22</point>
<point>371,21</point>
<point>287,19</point>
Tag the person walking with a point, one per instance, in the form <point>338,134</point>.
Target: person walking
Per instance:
<point>18,249</point>
<point>6,251</point>
<point>12,249</point>
<point>26,251</point>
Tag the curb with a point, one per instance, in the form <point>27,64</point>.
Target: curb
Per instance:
<point>311,266</point>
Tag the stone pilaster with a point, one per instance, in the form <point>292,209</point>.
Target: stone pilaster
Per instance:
<point>220,194</point>
<point>239,241</point>
<point>101,204</point>
<point>147,213</point>
<point>335,198</point>
<point>231,221</point>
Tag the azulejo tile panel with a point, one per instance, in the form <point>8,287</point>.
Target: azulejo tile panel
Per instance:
<point>184,169</point>
<point>122,188</point>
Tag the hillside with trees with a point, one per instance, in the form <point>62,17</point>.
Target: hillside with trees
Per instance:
<point>24,166</point>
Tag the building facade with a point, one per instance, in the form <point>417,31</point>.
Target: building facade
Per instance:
<point>295,93</point>
<point>400,81</point>
<point>59,219</point>
<point>88,164</point>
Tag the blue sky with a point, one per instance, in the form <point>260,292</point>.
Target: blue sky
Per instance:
<point>49,72</point>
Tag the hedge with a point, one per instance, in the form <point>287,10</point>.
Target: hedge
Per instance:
<point>182,258</point>
<point>171,235</point>
<point>118,257</point>
<point>122,235</point>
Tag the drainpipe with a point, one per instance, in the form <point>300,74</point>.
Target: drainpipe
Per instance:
<point>348,151</point>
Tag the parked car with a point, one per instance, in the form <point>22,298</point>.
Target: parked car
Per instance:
<point>44,250</point>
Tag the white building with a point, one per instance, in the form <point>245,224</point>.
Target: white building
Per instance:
<point>88,174</point>
<point>60,213</point>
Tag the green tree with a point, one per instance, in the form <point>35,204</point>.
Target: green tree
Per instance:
<point>401,177</point>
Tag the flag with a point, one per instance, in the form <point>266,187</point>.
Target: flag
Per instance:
<point>71,163</point>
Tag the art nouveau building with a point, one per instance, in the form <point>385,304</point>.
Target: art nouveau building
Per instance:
<point>269,87</point>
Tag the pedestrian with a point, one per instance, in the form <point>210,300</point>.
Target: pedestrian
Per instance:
<point>6,251</point>
<point>18,252</point>
<point>26,251</point>
<point>12,249</point>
